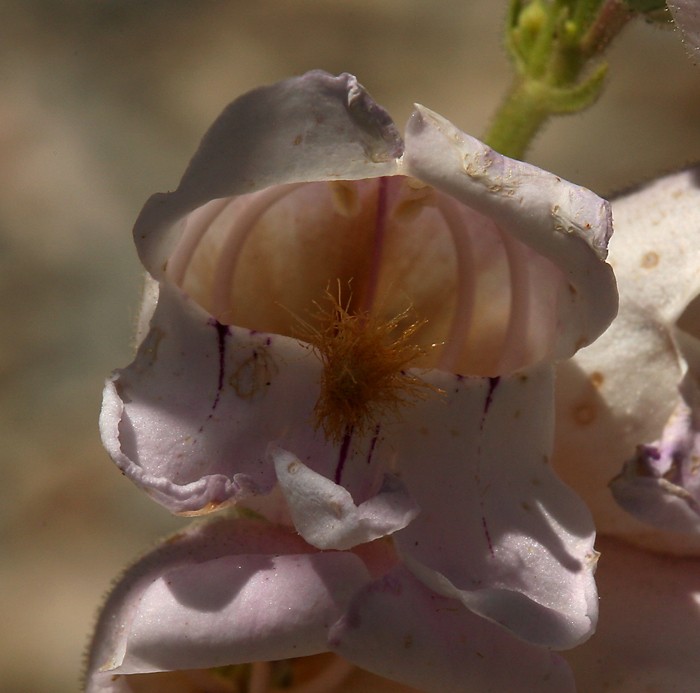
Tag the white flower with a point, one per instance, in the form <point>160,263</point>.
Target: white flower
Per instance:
<point>355,337</point>
<point>619,400</point>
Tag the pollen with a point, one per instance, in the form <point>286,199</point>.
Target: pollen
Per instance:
<point>366,362</point>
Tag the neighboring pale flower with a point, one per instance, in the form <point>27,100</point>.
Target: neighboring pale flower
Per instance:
<point>354,337</point>
<point>649,628</point>
<point>630,398</point>
<point>686,15</point>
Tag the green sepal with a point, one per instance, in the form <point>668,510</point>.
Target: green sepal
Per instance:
<point>572,99</point>
<point>551,43</point>
<point>524,26</point>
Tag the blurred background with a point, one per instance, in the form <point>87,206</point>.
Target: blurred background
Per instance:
<point>102,102</point>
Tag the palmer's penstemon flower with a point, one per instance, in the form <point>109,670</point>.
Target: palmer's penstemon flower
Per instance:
<point>628,416</point>
<point>627,411</point>
<point>632,397</point>
<point>353,336</point>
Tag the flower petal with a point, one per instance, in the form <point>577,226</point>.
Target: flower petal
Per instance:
<point>221,593</point>
<point>655,251</point>
<point>620,392</point>
<point>325,514</point>
<point>398,628</point>
<point>661,483</point>
<point>566,224</point>
<point>612,396</point>
<point>191,418</point>
<point>686,15</point>
<point>239,609</point>
<point>313,127</point>
<point>649,624</point>
<point>497,529</point>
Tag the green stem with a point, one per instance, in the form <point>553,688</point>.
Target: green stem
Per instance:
<point>549,69</point>
<point>516,122</point>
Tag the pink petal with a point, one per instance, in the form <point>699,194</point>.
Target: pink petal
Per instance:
<point>566,224</point>
<point>614,395</point>
<point>661,483</point>
<point>190,420</point>
<point>313,127</point>
<point>325,514</point>
<point>649,624</point>
<point>220,593</point>
<point>686,15</point>
<point>398,628</point>
<point>199,405</point>
<point>497,529</point>
<point>621,391</point>
<point>655,250</point>
<point>239,609</point>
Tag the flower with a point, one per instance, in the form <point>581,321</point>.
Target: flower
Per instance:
<point>354,337</point>
<point>686,16</point>
<point>626,412</point>
<point>630,396</point>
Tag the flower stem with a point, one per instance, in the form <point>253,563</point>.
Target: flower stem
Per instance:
<point>516,122</point>
<point>551,45</point>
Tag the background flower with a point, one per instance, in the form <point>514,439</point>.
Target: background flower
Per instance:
<point>624,391</point>
<point>686,15</point>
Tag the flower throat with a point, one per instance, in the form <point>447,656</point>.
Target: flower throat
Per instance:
<point>365,367</point>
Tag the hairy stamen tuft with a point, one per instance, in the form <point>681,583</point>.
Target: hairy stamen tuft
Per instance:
<point>365,368</point>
